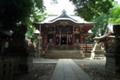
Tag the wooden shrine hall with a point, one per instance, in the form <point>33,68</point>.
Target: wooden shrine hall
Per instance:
<point>64,30</point>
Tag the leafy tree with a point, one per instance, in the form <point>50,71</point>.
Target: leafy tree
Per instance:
<point>18,15</point>
<point>37,16</point>
<point>13,12</point>
<point>100,25</point>
<point>96,11</point>
<point>90,9</point>
<point>114,16</point>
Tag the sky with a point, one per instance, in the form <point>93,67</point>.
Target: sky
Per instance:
<point>58,8</point>
<point>52,8</point>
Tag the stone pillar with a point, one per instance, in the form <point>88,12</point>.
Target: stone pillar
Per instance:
<point>116,29</point>
<point>18,49</point>
<point>113,53</point>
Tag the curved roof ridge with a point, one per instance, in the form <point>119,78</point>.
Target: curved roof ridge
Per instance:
<point>63,15</point>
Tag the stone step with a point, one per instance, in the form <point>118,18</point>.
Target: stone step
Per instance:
<point>64,51</point>
<point>64,54</point>
<point>64,47</point>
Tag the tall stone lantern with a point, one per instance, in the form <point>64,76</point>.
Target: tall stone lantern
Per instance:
<point>113,52</point>
<point>116,29</point>
<point>38,43</point>
<point>112,47</point>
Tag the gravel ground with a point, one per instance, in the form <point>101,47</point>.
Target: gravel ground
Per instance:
<point>95,69</point>
<point>40,71</point>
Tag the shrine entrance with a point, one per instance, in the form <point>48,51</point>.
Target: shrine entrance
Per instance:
<point>64,35</point>
<point>64,40</point>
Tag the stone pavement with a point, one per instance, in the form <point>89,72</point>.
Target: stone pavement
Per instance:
<point>42,60</point>
<point>67,69</point>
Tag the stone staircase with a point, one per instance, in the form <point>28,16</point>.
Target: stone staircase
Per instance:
<point>57,54</point>
<point>64,51</point>
<point>64,47</point>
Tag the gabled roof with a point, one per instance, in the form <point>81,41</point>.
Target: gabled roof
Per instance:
<point>64,16</point>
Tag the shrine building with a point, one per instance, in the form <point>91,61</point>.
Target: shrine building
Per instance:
<point>64,30</point>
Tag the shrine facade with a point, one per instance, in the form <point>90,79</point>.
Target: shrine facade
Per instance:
<point>67,30</point>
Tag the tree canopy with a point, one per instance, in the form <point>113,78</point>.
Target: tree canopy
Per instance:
<point>13,12</point>
<point>97,11</point>
<point>90,9</point>
<point>114,17</point>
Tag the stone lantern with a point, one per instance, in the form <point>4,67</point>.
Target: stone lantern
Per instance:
<point>38,43</point>
<point>111,42</point>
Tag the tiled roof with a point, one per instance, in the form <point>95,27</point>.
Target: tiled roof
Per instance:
<point>64,16</point>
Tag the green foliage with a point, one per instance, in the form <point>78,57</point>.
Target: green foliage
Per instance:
<point>95,10</point>
<point>36,16</point>
<point>114,16</point>
<point>100,25</point>
<point>14,11</point>
<point>90,9</point>
<point>17,11</point>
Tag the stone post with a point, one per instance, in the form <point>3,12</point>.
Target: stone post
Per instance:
<point>116,29</point>
<point>38,43</point>
<point>113,53</point>
<point>18,50</point>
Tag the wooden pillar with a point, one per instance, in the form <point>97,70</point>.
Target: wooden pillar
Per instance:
<point>60,38</point>
<point>67,38</point>
<point>81,39</point>
<point>45,42</point>
<point>54,35</point>
<point>73,38</point>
